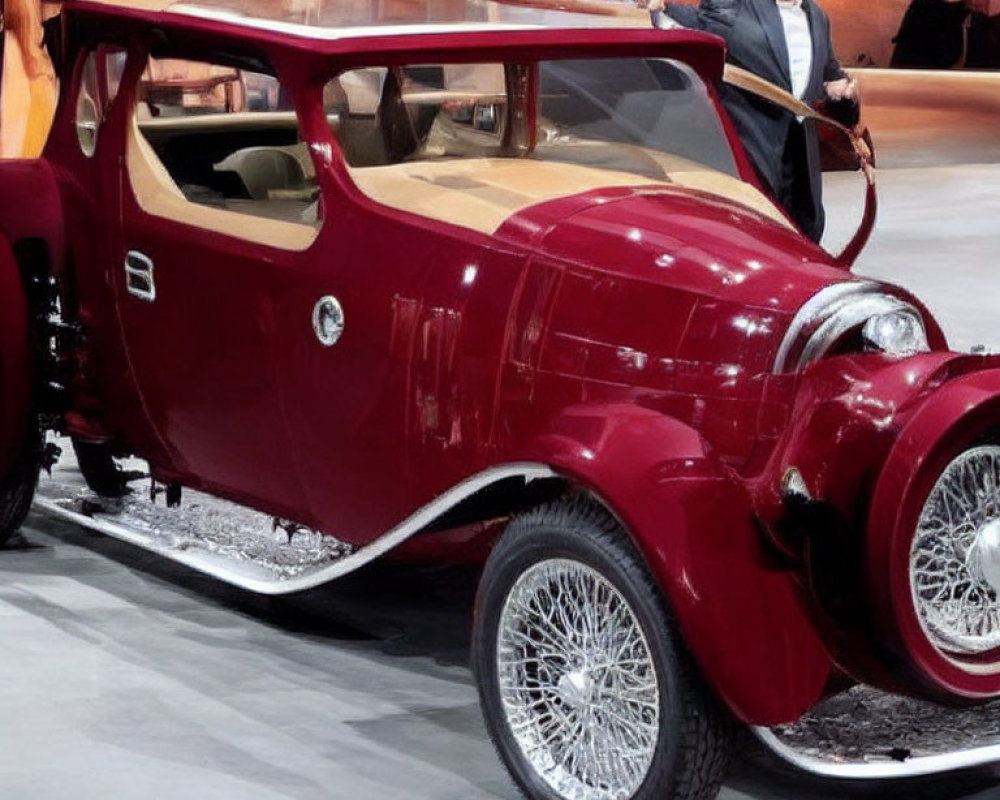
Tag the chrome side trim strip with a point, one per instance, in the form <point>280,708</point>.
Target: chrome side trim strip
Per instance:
<point>880,770</point>
<point>249,576</point>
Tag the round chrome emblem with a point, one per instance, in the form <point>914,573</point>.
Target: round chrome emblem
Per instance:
<point>328,320</point>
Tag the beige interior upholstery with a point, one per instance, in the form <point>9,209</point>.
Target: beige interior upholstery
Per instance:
<point>157,194</point>
<point>268,171</point>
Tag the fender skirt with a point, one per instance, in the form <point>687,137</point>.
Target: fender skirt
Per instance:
<point>742,616</point>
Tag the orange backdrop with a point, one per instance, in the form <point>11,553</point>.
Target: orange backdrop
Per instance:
<point>28,94</point>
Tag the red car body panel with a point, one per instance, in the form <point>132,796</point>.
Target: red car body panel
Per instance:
<point>30,210</point>
<point>949,420</point>
<point>15,360</point>
<point>742,614</point>
<point>624,337</point>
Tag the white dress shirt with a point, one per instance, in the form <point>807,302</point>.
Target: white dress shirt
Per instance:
<point>799,41</point>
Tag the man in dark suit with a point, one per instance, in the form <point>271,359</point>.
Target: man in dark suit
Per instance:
<point>788,43</point>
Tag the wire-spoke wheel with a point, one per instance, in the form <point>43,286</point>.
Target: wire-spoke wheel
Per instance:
<point>586,693</point>
<point>955,555</point>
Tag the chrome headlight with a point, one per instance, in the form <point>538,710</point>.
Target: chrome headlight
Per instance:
<point>899,330</point>
<point>850,317</point>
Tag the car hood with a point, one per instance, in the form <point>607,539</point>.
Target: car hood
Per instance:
<point>724,279</point>
<point>694,241</point>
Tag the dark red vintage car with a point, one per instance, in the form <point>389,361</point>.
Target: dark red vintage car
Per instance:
<point>470,277</point>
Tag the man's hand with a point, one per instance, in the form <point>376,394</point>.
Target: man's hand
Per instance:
<point>842,89</point>
<point>657,9</point>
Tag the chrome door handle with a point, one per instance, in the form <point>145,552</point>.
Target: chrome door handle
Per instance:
<point>139,276</point>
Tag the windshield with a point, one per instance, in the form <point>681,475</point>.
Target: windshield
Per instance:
<point>641,116</point>
<point>659,106</point>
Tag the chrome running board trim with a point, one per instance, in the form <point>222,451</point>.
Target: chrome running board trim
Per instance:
<point>255,578</point>
<point>880,770</point>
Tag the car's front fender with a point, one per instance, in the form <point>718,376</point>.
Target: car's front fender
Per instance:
<point>742,616</point>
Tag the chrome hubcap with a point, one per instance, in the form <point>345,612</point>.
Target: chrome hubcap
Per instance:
<point>955,555</point>
<point>576,689</point>
<point>577,682</point>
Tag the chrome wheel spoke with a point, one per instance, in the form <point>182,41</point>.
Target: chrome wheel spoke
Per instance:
<point>577,681</point>
<point>955,555</point>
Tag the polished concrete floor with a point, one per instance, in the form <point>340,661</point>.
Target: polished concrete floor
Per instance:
<point>125,676</point>
<point>938,234</point>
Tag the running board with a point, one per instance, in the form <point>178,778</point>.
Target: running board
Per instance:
<point>865,734</point>
<point>236,544</point>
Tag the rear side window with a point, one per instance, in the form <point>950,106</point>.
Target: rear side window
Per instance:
<point>227,138</point>
<point>99,82</point>
<point>88,115</point>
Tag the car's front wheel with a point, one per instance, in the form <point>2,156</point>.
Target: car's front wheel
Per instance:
<point>587,691</point>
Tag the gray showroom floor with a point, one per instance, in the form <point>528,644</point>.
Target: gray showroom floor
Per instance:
<point>124,676</point>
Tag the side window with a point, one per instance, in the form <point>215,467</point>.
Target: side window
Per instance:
<point>644,116</point>
<point>114,68</point>
<point>88,117</point>
<point>225,138</point>
<point>388,115</point>
<point>99,82</point>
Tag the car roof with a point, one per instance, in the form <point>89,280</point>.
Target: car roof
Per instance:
<point>339,19</point>
<point>400,30</point>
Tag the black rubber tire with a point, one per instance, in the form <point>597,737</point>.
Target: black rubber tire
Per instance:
<point>695,732</point>
<point>17,489</point>
<point>100,470</point>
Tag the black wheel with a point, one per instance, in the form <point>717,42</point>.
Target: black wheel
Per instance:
<point>17,488</point>
<point>586,689</point>
<point>100,470</point>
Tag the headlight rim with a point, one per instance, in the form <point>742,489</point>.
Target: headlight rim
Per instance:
<point>833,313</point>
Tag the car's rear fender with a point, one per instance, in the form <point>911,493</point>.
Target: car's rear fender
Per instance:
<point>30,206</point>
<point>15,359</point>
<point>742,616</point>
<point>31,224</point>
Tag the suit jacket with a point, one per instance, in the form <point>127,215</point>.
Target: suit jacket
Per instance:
<point>755,39</point>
